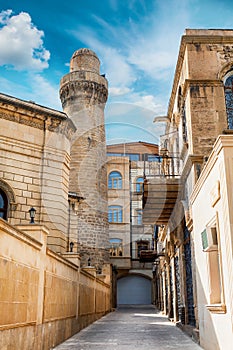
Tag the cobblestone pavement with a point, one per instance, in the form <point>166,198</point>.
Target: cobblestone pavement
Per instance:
<point>131,328</point>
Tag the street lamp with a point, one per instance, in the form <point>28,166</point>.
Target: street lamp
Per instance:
<point>32,213</point>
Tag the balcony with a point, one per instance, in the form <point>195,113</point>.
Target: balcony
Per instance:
<point>147,255</point>
<point>144,252</point>
<point>160,193</point>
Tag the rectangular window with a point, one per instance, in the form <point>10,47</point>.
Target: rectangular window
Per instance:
<point>211,246</point>
<point>139,217</point>
<point>134,157</point>
<point>153,158</point>
<point>115,214</point>
<point>116,183</point>
<point>139,187</point>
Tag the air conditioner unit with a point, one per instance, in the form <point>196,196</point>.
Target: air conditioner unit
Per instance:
<point>209,239</point>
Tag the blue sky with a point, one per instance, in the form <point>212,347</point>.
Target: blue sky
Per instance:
<point>137,42</point>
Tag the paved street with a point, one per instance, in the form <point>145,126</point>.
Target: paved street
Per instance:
<point>132,328</point>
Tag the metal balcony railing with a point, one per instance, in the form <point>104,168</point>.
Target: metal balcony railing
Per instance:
<point>161,188</point>
<point>167,166</point>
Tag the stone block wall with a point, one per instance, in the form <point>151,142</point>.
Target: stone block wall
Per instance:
<point>120,197</point>
<point>35,148</point>
<point>204,59</point>
<point>83,93</point>
<point>44,297</point>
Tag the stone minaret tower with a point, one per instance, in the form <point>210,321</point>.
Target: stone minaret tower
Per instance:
<point>83,94</point>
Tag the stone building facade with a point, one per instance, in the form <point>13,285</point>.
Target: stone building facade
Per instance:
<point>193,274</point>
<point>35,156</point>
<point>55,276</point>
<point>129,237</point>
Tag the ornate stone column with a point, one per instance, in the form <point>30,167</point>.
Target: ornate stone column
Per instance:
<point>83,93</point>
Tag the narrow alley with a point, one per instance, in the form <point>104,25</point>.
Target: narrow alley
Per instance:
<point>131,328</point>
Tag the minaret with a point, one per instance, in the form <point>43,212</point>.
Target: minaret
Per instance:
<point>83,93</point>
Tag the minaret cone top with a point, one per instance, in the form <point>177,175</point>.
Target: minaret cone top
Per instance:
<point>85,60</point>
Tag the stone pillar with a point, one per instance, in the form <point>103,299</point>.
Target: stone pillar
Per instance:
<point>83,93</point>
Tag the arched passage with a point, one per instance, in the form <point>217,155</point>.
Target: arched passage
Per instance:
<point>134,290</point>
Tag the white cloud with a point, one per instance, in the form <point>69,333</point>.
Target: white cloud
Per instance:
<point>118,91</point>
<point>44,93</point>
<point>21,43</point>
<point>114,63</point>
<point>154,46</point>
<point>33,87</point>
<point>146,47</point>
<point>118,70</point>
<point>149,102</point>
<point>138,57</point>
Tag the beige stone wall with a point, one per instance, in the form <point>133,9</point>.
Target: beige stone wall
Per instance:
<point>83,94</point>
<point>143,231</point>
<point>204,59</point>
<point>120,197</point>
<point>197,111</point>
<point>44,298</point>
<point>35,147</point>
<point>212,196</point>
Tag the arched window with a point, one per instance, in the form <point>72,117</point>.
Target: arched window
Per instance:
<point>116,247</point>
<point>115,213</point>
<point>115,180</point>
<point>228,86</point>
<point>3,205</point>
<point>139,184</point>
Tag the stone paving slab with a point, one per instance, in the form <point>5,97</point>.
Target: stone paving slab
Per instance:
<point>131,328</point>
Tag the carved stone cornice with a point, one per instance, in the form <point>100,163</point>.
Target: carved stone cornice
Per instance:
<point>35,116</point>
<point>67,128</point>
<point>14,104</point>
<point>92,90</point>
<point>189,83</point>
<point>220,41</point>
<point>23,119</point>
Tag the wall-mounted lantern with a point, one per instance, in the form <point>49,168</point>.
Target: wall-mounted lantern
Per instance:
<point>32,213</point>
<point>71,246</point>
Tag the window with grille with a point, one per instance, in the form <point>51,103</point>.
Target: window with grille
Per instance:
<point>228,87</point>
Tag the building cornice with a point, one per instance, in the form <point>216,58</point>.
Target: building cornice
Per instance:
<point>212,38</point>
<point>30,106</point>
<point>176,76</point>
<point>190,160</point>
<point>204,82</point>
<point>36,116</point>
<point>94,91</point>
<point>208,39</point>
